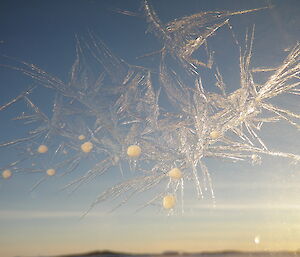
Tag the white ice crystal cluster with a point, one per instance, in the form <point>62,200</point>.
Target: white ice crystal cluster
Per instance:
<point>153,121</point>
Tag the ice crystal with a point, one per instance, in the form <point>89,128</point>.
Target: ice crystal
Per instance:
<point>117,118</point>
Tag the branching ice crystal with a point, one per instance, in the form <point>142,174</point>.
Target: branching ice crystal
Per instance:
<point>115,117</point>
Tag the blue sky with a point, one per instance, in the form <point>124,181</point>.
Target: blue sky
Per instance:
<point>251,201</point>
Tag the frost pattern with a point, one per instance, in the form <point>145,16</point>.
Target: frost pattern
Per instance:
<point>96,116</point>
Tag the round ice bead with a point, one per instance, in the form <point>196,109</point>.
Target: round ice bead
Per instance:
<point>6,174</point>
<point>42,149</point>
<point>81,137</point>
<point>87,147</point>
<point>169,201</point>
<point>51,172</point>
<point>134,151</point>
<point>214,134</point>
<point>175,173</point>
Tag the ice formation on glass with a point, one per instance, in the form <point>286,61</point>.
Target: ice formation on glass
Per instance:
<point>118,118</point>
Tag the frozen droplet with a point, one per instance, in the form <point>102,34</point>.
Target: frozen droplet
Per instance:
<point>81,137</point>
<point>42,149</point>
<point>169,201</point>
<point>51,172</point>
<point>6,174</point>
<point>214,134</point>
<point>134,151</point>
<point>175,173</point>
<point>87,147</point>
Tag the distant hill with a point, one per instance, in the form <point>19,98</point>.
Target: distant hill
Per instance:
<point>97,253</point>
<point>225,253</point>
